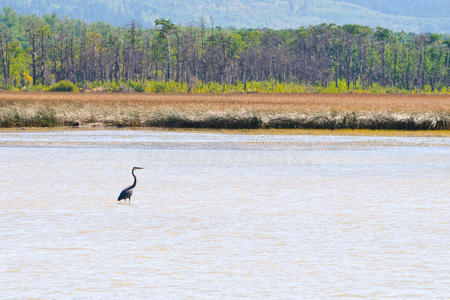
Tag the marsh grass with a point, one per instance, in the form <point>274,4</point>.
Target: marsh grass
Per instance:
<point>324,120</point>
<point>38,118</point>
<point>302,111</point>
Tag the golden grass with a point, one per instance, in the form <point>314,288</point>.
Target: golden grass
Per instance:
<point>232,111</point>
<point>255,102</point>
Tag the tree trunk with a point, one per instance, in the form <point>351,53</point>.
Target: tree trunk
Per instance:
<point>33,57</point>
<point>168,59</point>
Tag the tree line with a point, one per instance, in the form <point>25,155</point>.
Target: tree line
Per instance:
<point>40,51</point>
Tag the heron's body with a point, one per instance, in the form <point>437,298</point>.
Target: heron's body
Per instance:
<point>127,192</point>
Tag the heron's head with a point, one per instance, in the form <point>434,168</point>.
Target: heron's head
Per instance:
<point>137,168</point>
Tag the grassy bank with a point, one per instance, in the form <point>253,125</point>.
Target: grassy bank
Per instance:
<point>300,111</point>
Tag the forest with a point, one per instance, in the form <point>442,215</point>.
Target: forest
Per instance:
<point>38,53</point>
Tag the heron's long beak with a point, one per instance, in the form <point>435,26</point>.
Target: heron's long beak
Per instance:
<point>138,168</point>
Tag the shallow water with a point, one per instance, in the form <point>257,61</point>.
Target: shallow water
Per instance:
<point>223,216</point>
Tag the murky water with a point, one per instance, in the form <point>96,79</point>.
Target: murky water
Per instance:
<point>223,216</point>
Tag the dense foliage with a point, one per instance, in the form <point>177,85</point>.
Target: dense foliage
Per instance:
<point>39,52</point>
<point>408,15</point>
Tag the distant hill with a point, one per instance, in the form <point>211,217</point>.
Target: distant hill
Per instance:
<point>412,8</point>
<point>407,15</point>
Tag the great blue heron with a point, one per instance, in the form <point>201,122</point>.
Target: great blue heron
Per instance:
<point>128,191</point>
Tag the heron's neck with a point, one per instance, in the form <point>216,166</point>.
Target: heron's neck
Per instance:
<point>134,183</point>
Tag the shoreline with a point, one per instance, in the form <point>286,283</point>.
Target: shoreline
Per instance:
<point>318,132</point>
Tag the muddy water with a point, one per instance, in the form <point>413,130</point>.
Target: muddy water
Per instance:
<point>223,216</point>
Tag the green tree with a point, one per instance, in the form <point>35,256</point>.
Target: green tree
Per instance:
<point>166,28</point>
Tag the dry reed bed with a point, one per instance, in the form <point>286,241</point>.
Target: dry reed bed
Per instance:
<point>411,112</point>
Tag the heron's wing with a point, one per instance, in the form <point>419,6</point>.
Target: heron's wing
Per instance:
<point>127,192</point>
